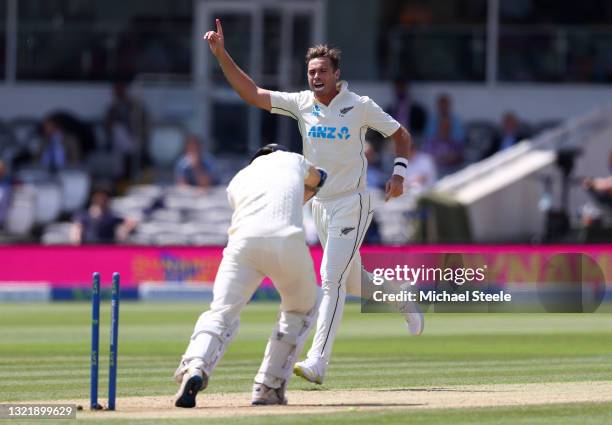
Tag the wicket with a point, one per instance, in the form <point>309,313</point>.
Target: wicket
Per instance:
<point>95,342</point>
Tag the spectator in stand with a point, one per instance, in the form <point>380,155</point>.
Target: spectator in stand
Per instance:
<point>444,113</point>
<point>408,113</point>
<point>195,168</point>
<point>6,189</point>
<point>600,188</point>
<point>446,150</point>
<point>510,133</point>
<point>594,213</point>
<point>60,149</point>
<point>98,224</point>
<point>127,125</point>
<point>421,173</point>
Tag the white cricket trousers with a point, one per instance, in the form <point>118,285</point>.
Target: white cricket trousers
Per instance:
<point>285,260</point>
<point>341,225</point>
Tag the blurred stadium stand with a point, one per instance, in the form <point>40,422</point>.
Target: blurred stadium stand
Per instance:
<point>548,63</point>
<point>500,197</point>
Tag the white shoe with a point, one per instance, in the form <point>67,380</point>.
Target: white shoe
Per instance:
<point>415,321</point>
<point>311,370</point>
<point>193,381</point>
<point>265,396</point>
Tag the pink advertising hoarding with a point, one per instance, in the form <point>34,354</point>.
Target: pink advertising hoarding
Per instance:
<point>68,266</point>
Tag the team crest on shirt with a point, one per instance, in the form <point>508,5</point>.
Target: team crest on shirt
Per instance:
<point>345,111</point>
<point>316,110</point>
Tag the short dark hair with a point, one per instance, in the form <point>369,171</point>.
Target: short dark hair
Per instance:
<point>268,149</point>
<point>324,51</point>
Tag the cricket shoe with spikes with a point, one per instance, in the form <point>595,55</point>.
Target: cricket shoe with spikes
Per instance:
<point>193,381</point>
<point>265,396</point>
<point>311,369</point>
<point>415,321</point>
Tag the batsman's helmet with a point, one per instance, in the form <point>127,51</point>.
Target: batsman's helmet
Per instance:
<point>268,149</point>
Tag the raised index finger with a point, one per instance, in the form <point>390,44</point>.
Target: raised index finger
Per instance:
<point>219,29</point>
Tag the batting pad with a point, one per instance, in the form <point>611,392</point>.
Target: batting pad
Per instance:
<point>284,346</point>
<point>206,348</point>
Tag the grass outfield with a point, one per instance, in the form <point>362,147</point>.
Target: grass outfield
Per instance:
<point>44,355</point>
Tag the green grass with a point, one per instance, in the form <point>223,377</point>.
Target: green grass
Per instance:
<point>557,414</point>
<point>44,354</point>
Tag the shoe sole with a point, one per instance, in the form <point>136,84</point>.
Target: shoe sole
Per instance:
<point>267,403</point>
<point>416,331</point>
<point>298,371</point>
<point>188,396</point>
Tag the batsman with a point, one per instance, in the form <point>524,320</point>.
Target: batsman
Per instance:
<point>332,121</point>
<point>266,238</point>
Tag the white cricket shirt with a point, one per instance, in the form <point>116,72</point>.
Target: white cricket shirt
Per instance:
<point>333,136</point>
<point>267,196</point>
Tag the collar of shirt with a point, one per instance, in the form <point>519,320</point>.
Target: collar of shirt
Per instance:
<point>341,86</point>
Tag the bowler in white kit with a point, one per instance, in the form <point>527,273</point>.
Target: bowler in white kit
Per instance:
<point>332,121</point>
<point>266,238</point>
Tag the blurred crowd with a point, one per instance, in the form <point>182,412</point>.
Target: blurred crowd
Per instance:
<point>124,149</point>
<point>66,153</point>
<point>443,142</point>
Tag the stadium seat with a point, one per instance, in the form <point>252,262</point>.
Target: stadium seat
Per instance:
<point>22,211</point>
<point>130,206</point>
<point>139,239</point>
<point>207,239</point>
<point>75,189</point>
<point>394,218</point>
<point>145,190</point>
<point>33,175</point>
<point>24,130</point>
<point>212,216</point>
<point>105,165</point>
<point>48,202</point>
<point>175,201</point>
<point>57,234</point>
<point>200,227</point>
<point>167,215</point>
<point>170,239</point>
<point>166,144</point>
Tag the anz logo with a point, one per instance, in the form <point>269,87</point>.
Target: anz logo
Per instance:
<point>329,133</point>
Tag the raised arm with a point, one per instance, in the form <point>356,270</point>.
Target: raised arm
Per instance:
<point>238,79</point>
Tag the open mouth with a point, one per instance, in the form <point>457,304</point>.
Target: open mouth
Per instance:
<point>318,85</point>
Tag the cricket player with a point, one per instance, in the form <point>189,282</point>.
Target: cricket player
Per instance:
<point>266,238</point>
<point>333,122</point>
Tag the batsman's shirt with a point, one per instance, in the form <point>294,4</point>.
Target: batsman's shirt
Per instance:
<point>333,136</point>
<point>267,196</point>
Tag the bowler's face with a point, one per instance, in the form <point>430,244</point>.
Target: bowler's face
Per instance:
<point>322,78</point>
